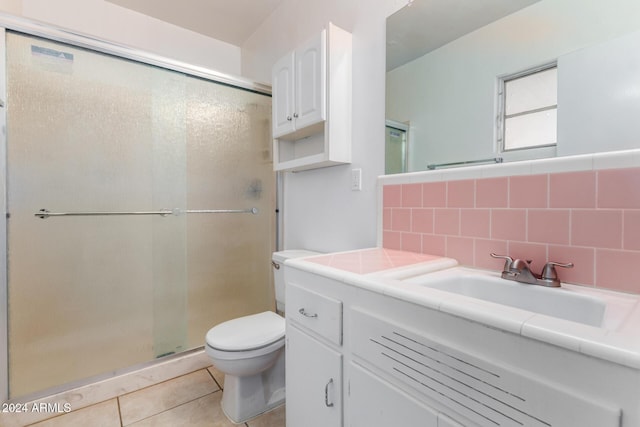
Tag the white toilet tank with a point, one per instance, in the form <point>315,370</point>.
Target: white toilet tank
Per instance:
<point>278,259</point>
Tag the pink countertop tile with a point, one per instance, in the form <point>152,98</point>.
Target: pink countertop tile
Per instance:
<point>371,260</point>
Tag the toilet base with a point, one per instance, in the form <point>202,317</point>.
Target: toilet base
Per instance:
<point>247,397</point>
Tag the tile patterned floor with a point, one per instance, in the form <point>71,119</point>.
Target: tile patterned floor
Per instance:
<point>191,400</point>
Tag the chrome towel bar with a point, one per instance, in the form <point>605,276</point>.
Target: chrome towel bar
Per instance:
<point>44,213</point>
<point>466,162</point>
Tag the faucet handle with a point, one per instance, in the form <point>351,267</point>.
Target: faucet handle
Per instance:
<point>549,270</point>
<point>508,261</point>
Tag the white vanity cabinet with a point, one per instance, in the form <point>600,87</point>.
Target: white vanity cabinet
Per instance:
<point>376,403</point>
<point>373,402</point>
<point>314,382</point>
<point>312,103</point>
<point>313,358</point>
<point>358,357</point>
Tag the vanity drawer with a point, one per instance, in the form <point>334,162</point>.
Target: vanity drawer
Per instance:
<point>314,311</point>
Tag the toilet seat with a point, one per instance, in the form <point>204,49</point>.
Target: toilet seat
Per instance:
<point>257,334</point>
<point>245,354</point>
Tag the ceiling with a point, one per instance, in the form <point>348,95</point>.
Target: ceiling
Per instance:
<point>425,25</point>
<point>413,31</point>
<point>231,21</point>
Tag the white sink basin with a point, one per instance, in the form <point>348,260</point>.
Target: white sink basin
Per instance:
<point>564,303</point>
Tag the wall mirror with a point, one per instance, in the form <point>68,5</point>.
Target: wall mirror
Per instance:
<point>448,61</point>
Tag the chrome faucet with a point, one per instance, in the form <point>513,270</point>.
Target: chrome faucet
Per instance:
<point>518,270</point>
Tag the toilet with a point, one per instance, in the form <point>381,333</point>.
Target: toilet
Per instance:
<point>249,351</point>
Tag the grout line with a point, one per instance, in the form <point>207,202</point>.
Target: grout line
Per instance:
<point>60,415</point>
<point>171,409</point>
<point>119,411</point>
<point>156,384</point>
<point>214,378</point>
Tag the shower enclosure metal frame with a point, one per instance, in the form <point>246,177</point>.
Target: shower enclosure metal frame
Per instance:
<point>53,33</point>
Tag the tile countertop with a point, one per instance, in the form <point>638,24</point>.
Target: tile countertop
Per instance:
<point>383,270</point>
<point>375,260</point>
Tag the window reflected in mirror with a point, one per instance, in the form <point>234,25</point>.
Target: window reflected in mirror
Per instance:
<point>529,103</point>
<point>396,139</point>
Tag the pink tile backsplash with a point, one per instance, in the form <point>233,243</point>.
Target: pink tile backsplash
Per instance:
<point>528,191</point>
<point>483,248</point>
<point>460,248</point>
<point>412,195</point>
<point>391,240</point>
<point>401,219</point>
<point>434,244</point>
<point>461,194</point>
<point>583,260</point>
<point>597,228</point>
<point>434,194</point>
<point>392,196</point>
<point>614,269</point>
<point>619,188</point>
<point>447,221</point>
<point>411,242</point>
<point>475,222</point>
<point>631,236</point>
<point>572,190</point>
<point>590,218</point>
<point>492,193</point>
<point>548,226</point>
<point>509,224</point>
<point>422,220</point>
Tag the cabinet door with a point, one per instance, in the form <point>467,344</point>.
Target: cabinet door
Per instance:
<point>444,421</point>
<point>376,403</point>
<point>314,382</point>
<point>283,99</point>
<point>310,93</point>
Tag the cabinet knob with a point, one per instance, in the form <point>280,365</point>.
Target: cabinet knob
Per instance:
<point>289,118</point>
<point>295,115</point>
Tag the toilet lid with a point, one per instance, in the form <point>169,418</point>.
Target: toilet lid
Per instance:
<point>247,333</point>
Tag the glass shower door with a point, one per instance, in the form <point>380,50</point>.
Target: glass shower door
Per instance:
<point>90,133</point>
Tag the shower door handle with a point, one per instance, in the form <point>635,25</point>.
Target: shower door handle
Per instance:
<point>45,213</point>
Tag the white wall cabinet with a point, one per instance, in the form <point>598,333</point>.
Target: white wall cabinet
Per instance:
<point>299,89</point>
<point>312,103</point>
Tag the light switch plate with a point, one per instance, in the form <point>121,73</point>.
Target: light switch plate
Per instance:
<point>356,179</point>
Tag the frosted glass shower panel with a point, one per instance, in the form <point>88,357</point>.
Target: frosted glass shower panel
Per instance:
<point>88,132</point>
<point>229,165</point>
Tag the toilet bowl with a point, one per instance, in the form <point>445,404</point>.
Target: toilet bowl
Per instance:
<point>246,350</point>
<point>249,351</point>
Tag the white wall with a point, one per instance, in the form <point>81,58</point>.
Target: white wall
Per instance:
<point>320,210</point>
<point>114,23</point>
<point>451,100</point>
<point>599,97</point>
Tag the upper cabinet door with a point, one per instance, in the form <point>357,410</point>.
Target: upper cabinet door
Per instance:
<point>311,89</point>
<point>310,93</point>
<point>283,81</point>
